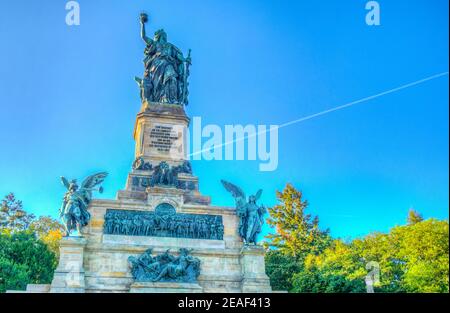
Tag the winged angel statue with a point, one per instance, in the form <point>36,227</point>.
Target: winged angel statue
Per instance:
<point>73,211</point>
<point>250,214</point>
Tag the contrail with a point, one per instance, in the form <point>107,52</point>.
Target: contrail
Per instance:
<point>405,86</point>
<point>417,82</point>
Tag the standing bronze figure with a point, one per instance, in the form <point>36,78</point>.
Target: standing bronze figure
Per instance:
<point>73,211</point>
<point>250,214</point>
<point>165,69</point>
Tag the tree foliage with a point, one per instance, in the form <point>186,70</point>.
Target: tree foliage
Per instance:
<point>297,236</point>
<point>12,215</point>
<point>337,269</point>
<point>13,218</point>
<point>24,259</point>
<point>414,217</point>
<point>49,231</point>
<point>279,268</point>
<point>410,258</point>
<point>12,276</point>
<point>297,233</point>
<point>29,247</point>
<point>423,249</point>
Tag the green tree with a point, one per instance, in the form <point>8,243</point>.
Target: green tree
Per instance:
<point>382,249</point>
<point>12,276</point>
<point>49,230</point>
<point>423,248</point>
<point>411,258</point>
<point>44,224</point>
<point>414,217</point>
<point>280,268</point>
<point>297,233</point>
<point>28,246</point>
<point>13,218</point>
<point>337,269</point>
<point>12,215</point>
<point>24,259</point>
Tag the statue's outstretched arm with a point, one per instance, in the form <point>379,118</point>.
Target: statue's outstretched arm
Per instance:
<point>147,40</point>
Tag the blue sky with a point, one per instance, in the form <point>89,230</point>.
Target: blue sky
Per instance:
<point>68,100</point>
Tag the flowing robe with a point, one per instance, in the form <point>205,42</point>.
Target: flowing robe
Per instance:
<point>164,72</point>
<point>253,222</point>
<point>74,210</point>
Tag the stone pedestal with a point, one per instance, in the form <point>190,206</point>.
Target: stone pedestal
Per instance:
<point>38,288</point>
<point>165,287</point>
<point>33,288</point>
<point>160,133</point>
<point>69,275</point>
<point>254,278</point>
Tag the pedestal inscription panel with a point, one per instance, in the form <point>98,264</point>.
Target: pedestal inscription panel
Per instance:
<point>165,137</point>
<point>162,137</point>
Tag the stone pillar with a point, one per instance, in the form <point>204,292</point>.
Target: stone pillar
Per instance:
<point>69,275</point>
<point>254,278</point>
<point>160,134</point>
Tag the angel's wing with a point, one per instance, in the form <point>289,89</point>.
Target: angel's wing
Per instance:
<point>65,182</point>
<point>233,189</point>
<point>89,183</point>
<point>258,194</point>
<point>237,193</point>
<point>93,180</point>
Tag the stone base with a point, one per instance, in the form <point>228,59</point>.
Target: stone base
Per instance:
<point>38,288</point>
<point>253,270</point>
<point>33,288</point>
<point>259,285</point>
<point>165,287</point>
<point>69,275</point>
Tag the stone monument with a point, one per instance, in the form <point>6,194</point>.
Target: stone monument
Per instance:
<point>160,234</point>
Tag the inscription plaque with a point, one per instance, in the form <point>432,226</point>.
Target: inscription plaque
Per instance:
<point>164,137</point>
